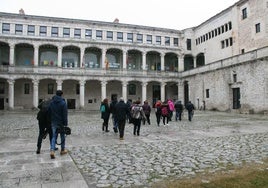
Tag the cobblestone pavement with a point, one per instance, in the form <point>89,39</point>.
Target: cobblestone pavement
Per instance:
<point>212,141</point>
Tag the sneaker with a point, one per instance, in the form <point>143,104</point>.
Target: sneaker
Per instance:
<point>63,152</point>
<point>121,138</point>
<point>52,155</point>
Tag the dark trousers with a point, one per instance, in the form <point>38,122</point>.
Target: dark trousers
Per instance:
<point>105,124</point>
<point>165,119</point>
<point>190,115</point>
<point>137,126</point>
<point>158,118</point>
<point>178,115</point>
<point>121,127</point>
<point>42,131</point>
<point>147,119</point>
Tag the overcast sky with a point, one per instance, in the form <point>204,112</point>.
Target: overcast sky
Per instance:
<point>172,14</point>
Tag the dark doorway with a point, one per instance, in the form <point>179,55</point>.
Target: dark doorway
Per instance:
<point>2,105</point>
<point>156,94</point>
<point>186,92</point>
<point>236,98</point>
<point>71,103</point>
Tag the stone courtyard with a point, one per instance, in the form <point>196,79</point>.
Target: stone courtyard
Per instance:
<point>211,142</point>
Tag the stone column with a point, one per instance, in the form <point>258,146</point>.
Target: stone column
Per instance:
<point>59,84</point>
<point>194,61</point>
<point>11,54</point>
<point>11,94</point>
<point>36,54</point>
<point>59,56</point>
<point>180,91</point>
<point>82,94</point>
<point>124,59</point>
<point>143,60</point>
<point>124,90</point>
<point>103,89</point>
<point>181,63</point>
<point>35,93</point>
<point>82,59</point>
<point>103,59</point>
<point>163,97</point>
<point>162,62</point>
<point>144,91</point>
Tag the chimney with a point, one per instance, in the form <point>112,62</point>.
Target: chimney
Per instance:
<point>21,11</point>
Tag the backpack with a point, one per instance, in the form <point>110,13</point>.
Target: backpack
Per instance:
<point>102,108</point>
<point>164,111</point>
<point>135,112</point>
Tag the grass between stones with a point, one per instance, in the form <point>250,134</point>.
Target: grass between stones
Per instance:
<point>246,176</point>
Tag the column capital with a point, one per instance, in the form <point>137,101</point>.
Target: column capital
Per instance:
<point>59,82</point>
<point>11,81</point>
<point>144,84</point>
<point>35,82</point>
<point>82,82</point>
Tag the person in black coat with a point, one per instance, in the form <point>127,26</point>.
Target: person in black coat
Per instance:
<point>121,113</point>
<point>179,110</point>
<point>190,108</point>
<point>44,123</point>
<point>105,114</point>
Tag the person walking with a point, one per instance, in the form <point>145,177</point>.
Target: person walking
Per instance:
<point>112,110</point>
<point>44,124</point>
<point>171,109</point>
<point>121,113</point>
<point>158,112</point>
<point>165,112</point>
<point>179,109</point>
<point>190,108</point>
<point>147,111</point>
<point>105,114</point>
<point>137,115</point>
<point>59,118</point>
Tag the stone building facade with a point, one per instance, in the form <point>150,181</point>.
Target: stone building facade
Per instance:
<point>220,64</point>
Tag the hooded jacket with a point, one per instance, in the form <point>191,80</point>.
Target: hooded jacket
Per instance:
<point>58,111</point>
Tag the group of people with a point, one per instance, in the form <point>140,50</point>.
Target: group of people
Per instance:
<point>52,116</point>
<point>137,113</point>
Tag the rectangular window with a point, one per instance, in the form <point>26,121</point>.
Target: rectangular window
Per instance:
<point>18,29</point>
<point>219,30</point>
<point>244,13</point>
<point>6,28</point>
<point>188,44</point>
<point>207,93</point>
<point>139,38</point>
<point>258,27</point>
<point>231,41</point>
<point>66,32</point>
<point>226,42</point>
<point>43,31</point>
<point>109,35</point>
<point>167,41</point>
<point>230,25</point>
<point>130,37</point>
<point>222,44</point>
<point>176,42</point>
<point>77,33</point>
<point>222,29</point>
<point>50,89</point>
<point>31,29</point>
<point>235,77</point>
<point>149,39</point>
<point>226,27</point>
<point>215,31</point>
<point>99,34</point>
<point>119,36</point>
<point>158,40</point>
<point>88,33</point>
<point>54,31</point>
<point>27,88</point>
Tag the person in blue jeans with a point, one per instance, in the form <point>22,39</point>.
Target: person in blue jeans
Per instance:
<point>59,118</point>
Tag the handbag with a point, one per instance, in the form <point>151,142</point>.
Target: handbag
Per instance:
<point>64,129</point>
